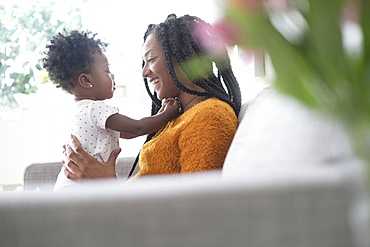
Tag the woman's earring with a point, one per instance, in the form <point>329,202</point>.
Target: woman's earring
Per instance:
<point>91,85</point>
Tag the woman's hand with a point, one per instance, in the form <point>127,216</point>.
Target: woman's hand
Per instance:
<point>81,165</point>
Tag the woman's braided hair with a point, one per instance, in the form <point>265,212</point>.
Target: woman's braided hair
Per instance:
<point>179,41</point>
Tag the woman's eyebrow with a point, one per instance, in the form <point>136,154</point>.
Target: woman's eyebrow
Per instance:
<point>154,51</point>
<point>146,53</point>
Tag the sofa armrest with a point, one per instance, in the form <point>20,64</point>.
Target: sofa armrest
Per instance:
<point>43,175</point>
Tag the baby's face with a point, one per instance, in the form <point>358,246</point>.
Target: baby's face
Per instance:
<point>101,79</point>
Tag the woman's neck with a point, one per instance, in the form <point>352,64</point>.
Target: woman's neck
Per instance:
<point>189,100</point>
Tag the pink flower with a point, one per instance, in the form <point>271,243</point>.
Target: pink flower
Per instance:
<point>213,40</point>
<point>352,12</point>
<point>228,32</point>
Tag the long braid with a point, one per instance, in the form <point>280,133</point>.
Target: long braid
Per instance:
<point>166,41</point>
<point>192,71</point>
<point>189,48</point>
<point>213,84</point>
<point>178,42</point>
<point>156,105</point>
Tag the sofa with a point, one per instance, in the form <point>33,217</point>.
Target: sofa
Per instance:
<point>290,179</point>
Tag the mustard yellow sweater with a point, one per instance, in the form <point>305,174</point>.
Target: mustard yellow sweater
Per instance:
<point>198,140</point>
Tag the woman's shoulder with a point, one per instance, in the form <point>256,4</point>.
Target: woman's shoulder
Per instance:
<point>215,105</point>
<point>213,108</point>
<point>209,116</point>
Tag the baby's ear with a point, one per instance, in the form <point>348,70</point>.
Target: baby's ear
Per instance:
<point>84,81</point>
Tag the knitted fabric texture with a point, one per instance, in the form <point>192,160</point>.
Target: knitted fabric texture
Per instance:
<point>196,141</point>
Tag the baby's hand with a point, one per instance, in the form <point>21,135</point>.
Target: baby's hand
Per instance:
<point>171,106</point>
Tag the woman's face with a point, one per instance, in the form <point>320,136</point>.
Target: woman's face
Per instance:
<point>155,69</point>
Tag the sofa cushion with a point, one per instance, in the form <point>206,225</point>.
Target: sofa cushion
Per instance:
<point>277,131</point>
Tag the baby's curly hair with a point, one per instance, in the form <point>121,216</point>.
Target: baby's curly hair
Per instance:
<point>69,55</point>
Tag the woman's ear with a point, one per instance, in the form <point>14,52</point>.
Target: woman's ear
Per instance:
<point>84,81</point>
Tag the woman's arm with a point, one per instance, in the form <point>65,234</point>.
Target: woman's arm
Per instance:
<point>131,128</point>
<point>81,165</point>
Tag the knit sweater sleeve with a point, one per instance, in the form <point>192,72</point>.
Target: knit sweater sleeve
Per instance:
<point>205,140</point>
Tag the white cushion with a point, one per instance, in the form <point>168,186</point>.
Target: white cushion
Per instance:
<point>277,131</point>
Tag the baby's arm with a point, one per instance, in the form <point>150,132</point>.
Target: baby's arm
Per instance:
<point>165,103</point>
<point>125,135</point>
<point>131,128</point>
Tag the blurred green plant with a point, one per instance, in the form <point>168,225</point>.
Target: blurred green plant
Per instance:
<point>25,28</point>
<point>312,60</point>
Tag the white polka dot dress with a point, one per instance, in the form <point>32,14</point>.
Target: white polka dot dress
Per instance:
<point>89,127</point>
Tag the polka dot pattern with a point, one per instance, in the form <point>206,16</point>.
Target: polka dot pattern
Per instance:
<point>89,127</point>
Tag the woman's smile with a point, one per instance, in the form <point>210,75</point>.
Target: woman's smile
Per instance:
<point>154,82</point>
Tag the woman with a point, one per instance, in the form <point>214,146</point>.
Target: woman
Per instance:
<point>176,64</point>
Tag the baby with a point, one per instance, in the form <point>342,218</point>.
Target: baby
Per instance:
<point>76,63</point>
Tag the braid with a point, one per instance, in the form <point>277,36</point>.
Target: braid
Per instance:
<point>179,42</point>
<point>171,48</point>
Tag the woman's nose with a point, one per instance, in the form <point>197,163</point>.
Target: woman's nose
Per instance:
<point>145,72</point>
